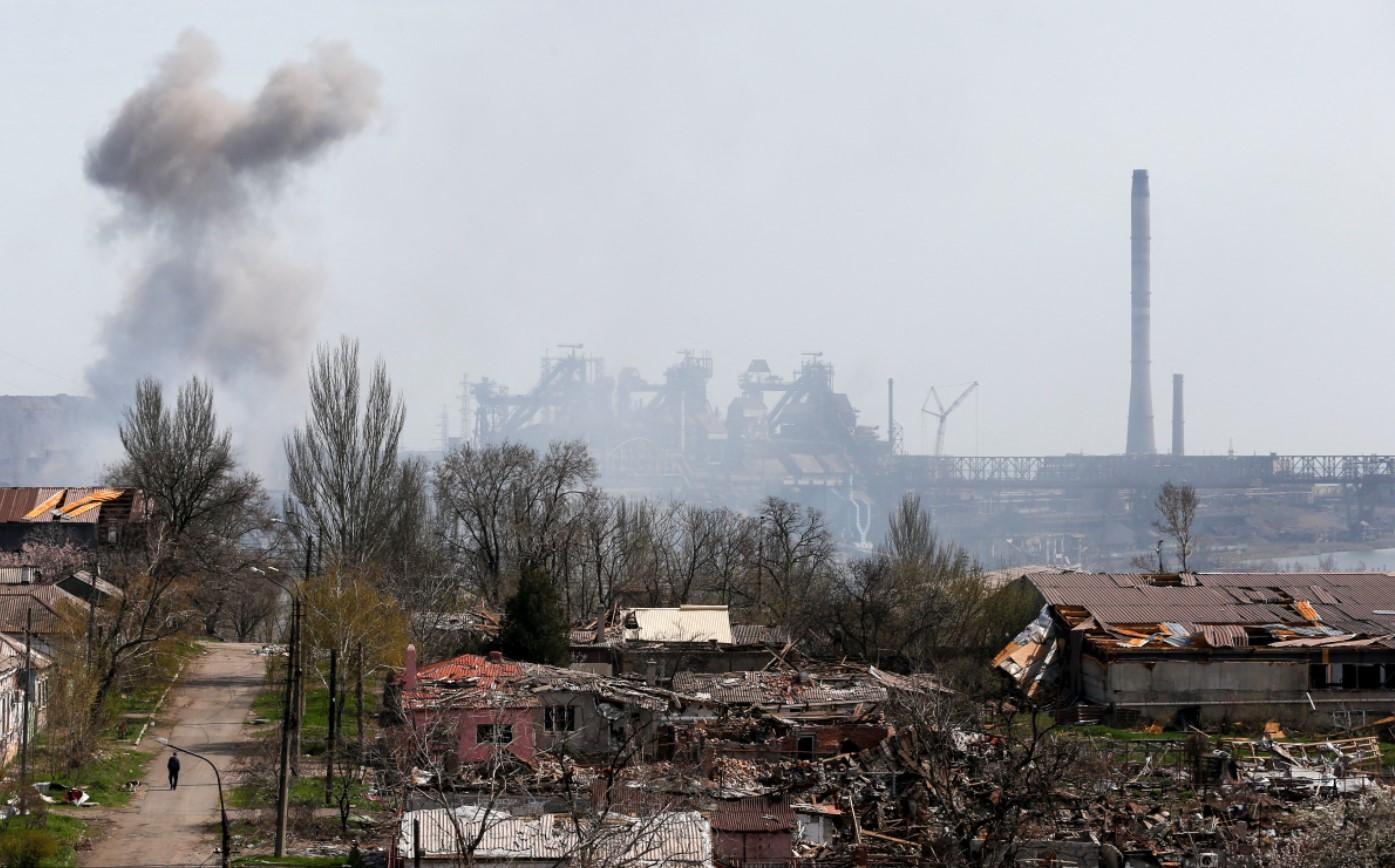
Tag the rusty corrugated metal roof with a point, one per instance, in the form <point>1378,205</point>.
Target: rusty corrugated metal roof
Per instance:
<point>43,600</point>
<point>1345,601</point>
<point>81,504</point>
<point>756,814</point>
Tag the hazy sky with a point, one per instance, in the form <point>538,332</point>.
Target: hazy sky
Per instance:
<point>931,191</point>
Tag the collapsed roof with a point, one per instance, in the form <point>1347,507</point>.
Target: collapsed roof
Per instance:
<point>474,681</point>
<point>40,504</point>
<point>1181,612</point>
<point>785,690</point>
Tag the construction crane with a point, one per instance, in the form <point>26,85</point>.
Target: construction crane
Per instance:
<point>943,413</point>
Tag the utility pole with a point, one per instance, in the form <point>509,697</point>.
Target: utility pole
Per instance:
<point>332,742</point>
<point>299,715</point>
<point>358,702</point>
<point>28,688</point>
<point>283,775</point>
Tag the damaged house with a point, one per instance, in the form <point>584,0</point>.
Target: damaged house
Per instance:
<point>83,517</point>
<point>787,714</point>
<point>469,707</point>
<point>656,643</point>
<point>1307,649</point>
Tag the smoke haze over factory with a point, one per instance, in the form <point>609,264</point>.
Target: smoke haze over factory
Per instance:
<point>761,182</point>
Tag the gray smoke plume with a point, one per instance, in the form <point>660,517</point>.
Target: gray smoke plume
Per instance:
<point>193,171</point>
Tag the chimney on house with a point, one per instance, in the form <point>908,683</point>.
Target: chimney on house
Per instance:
<point>600,627</point>
<point>409,671</point>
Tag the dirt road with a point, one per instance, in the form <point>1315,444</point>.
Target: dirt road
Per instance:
<point>208,707</point>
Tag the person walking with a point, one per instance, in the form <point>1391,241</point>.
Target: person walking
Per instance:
<point>173,766</point>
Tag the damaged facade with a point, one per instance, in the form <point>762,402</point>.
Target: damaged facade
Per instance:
<point>471,707</point>
<point>658,643</point>
<point>1309,649</point>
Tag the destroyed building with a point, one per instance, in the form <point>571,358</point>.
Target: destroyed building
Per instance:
<point>1309,649</point>
<point>785,714</point>
<point>469,707</point>
<point>656,643</point>
<point>84,517</point>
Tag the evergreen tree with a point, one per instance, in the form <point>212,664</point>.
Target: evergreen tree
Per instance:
<point>534,627</point>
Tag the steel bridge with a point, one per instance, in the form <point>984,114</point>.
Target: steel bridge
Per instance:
<point>1146,471</point>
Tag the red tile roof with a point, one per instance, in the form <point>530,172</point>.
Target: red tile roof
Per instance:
<point>468,666</point>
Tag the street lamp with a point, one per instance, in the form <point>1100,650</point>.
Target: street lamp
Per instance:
<point>222,807</point>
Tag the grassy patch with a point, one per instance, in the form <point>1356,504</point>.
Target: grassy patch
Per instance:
<point>305,791</point>
<point>1096,730</point>
<point>68,831</point>
<point>136,705</point>
<point>314,730</point>
<point>105,775</point>
<point>1387,754</point>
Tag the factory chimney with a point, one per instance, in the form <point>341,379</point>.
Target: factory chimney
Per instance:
<point>1140,438</point>
<point>891,414</point>
<point>1178,447</point>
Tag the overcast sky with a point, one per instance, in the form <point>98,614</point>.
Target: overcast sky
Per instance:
<point>936,192</point>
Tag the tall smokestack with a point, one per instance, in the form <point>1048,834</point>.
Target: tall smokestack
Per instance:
<point>1178,426</point>
<point>1140,440</point>
<point>891,413</point>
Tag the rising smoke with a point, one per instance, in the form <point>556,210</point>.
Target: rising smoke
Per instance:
<point>194,172</point>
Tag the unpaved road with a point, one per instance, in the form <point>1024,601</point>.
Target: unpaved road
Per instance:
<point>208,707</point>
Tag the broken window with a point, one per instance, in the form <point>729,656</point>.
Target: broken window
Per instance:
<point>1317,676</point>
<point>559,718</point>
<point>804,747</point>
<point>1349,676</point>
<point>493,733</point>
<point>1352,676</point>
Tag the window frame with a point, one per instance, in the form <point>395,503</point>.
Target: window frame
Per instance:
<point>488,733</point>
<point>568,718</point>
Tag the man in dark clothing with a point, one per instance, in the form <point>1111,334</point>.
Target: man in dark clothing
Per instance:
<point>173,766</point>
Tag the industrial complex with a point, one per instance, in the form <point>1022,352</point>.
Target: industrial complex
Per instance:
<point>796,436</point>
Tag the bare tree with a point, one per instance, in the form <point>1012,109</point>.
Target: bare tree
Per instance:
<point>986,771</point>
<point>795,560</point>
<point>510,508</point>
<point>345,478</point>
<point>1176,507</point>
<point>199,507</point>
<point>182,463</point>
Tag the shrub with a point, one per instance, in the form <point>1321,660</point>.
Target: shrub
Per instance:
<point>26,848</point>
